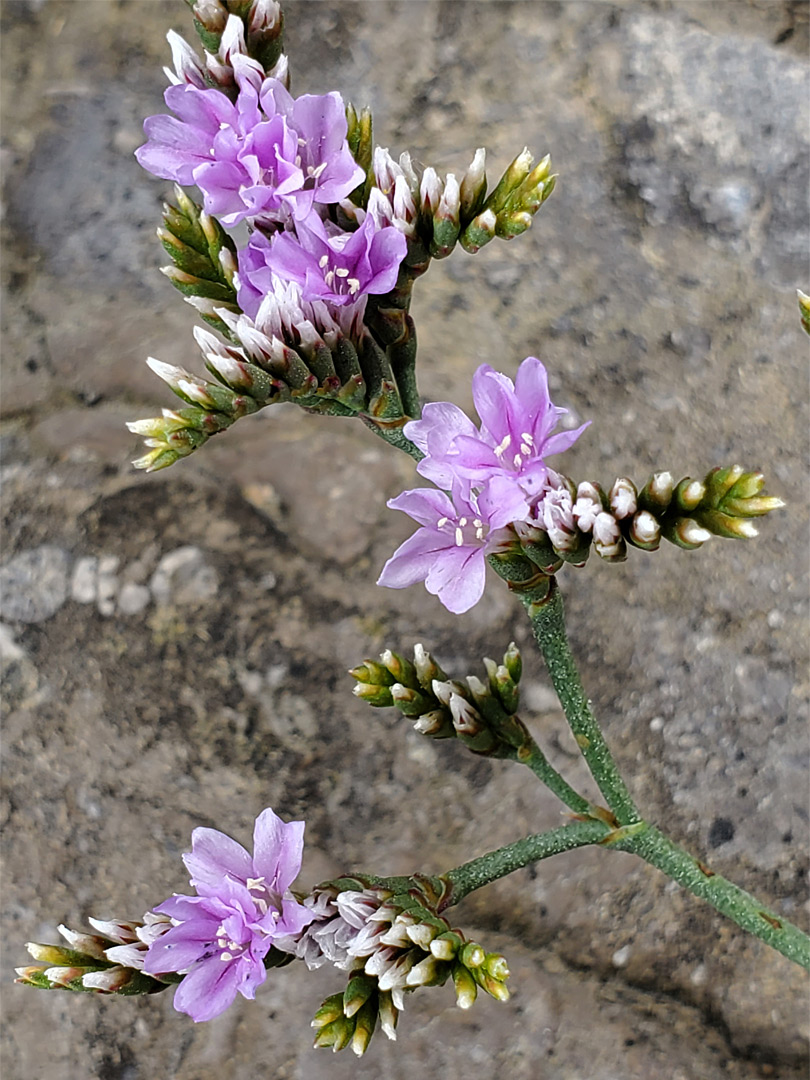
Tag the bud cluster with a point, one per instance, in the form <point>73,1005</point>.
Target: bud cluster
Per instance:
<point>441,212</point>
<point>106,962</point>
<point>252,28</point>
<point>204,258</point>
<point>479,712</point>
<point>389,937</point>
<point>573,519</point>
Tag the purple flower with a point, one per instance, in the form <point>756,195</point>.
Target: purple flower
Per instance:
<point>329,264</point>
<point>266,155</point>
<point>449,551</point>
<point>516,435</point>
<point>221,936</point>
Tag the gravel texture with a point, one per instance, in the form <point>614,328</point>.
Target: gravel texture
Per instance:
<point>174,647</point>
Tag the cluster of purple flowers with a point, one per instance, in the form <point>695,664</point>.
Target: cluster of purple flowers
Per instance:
<point>492,476</point>
<point>283,166</point>
<point>219,938</point>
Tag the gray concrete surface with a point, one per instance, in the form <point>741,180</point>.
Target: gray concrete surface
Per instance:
<point>174,647</point>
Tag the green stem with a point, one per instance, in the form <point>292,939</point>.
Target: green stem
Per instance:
<point>548,624</point>
<point>497,864</point>
<point>543,770</point>
<point>746,911</point>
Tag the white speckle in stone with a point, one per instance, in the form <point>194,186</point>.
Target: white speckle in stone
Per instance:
<point>133,598</point>
<point>775,619</point>
<point>268,581</point>
<point>275,675</point>
<point>9,649</point>
<point>184,577</point>
<point>107,583</point>
<point>621,956</point>
<point>699,975</point>
<point>657,723</point>
<point>251,682</point>
<point>34,584</point>
<point>84,582</point>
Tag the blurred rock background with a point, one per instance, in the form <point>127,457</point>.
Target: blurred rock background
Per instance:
<point>174,647</point>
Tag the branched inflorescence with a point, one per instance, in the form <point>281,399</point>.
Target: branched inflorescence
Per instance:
<point>314,308</point>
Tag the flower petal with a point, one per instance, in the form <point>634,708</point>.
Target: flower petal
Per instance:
<point>277,849</point>
<point>213,856</point>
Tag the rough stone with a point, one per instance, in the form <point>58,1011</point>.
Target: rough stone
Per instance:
<point>34,584</point>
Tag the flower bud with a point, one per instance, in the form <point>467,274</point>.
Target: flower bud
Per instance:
<point>689,494</point>
<point>656,495</point>
<point>473,187</point>
<point>465,986</point>
<point>426,667</point>
<point>623,498</point>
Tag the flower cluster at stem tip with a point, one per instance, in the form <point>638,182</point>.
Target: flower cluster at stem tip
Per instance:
<point>496,475</point>
<point>219,938</point>
<point>277,163</point>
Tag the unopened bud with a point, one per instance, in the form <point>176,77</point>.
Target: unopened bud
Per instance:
<point>359,989</point>
<point>109,981</point>
<point>515,174</point>
<point>473,187</point>
<point>656,495</point>
<point>446,945</point>
<point>645,531</point>
<point>623,498</point>
<point>378,696</point>
<point>389,1014</point>
<point>689,494</point>
<point>426,667</point>
<point>410,702</point>
<point>365,1022</point>
<point>686,533</point>
<point>402,669</point>
<point>465,986</point>
<point>513,662</point>
<point>479,232</point>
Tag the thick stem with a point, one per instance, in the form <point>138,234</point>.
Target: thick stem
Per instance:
<point>548,624</point>
<point>497,864</point>
<point>746,911</point>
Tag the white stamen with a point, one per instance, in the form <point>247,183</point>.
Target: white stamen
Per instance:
<point>462,521</point>
<point>503,445</point>
<point>225,956</point>
<point>525,449</point>
<point>254,882</point>
<point>342,271</point>
<point>261,905</point>
<point>298,161</point>
<point>353,284</point>
<point>479,533</point>
<point>517,461</point>
<point>459,538</point>
<point>440,524</point>
<point>477,522</point>
<point>329,277</point>
<point>323,261</point>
